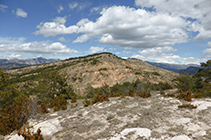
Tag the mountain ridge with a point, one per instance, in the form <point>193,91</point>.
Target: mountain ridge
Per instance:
<point>190,69</point>
<point>13,63</point>
<point>98,70</point>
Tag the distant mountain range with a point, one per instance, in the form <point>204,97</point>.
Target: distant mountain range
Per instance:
<point>13,63</point>
<point>190,69</point>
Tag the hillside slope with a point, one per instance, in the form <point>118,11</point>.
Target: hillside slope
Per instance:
<point>98,70</point>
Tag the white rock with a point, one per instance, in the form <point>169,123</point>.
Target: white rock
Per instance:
<point>47,127</point>
<point>202,105</point>
<point>182,121</point>
<point>181,137</point>
<point>142,132</point>
<point>14,137</point>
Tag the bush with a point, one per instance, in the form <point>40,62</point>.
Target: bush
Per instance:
<point>169,95</point>
<point>189,106</point>
<point>144,94</point>
<point>8,92</point>
<point>131,92</point>
<point>87,102</point>
<point>73,99</point>
<point>59,103</point>
<point>30,135</point>
<point>100,98</point>
<point>160,86</point>
<point>116,94</point>
<point>156,73</point>
<point>43,108</point>
<point>186,97</point>
<point>14,116</point>
<point>137,73</point>
<point>184,82</point>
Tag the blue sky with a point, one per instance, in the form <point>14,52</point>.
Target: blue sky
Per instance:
<point>170,31</point>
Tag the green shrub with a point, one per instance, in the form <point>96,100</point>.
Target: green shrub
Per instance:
<point>30,136</point>
<point>169,95</point>
<point>144,94</point>
<point>59,103</point>
<point>189,106</point>
<point>184,82</point>
<point>156,73</point>
<point>137,73</point>
<point>103,69</point>
<point>99,98</point>
<point>186,96</point>
<point>14,116</point>
<point>87,102</point>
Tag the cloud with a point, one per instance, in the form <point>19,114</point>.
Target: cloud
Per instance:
<point>209,43</point>
<point>60,9</point>
<point>55,48</point>
<point>55,28</point>
<point>141,29</point>
<point>170,23</point>
<point>94,9</point>
<point>79,6</point>
<point>3,7</point>
<point>165,55</point>
<point>21,13</point>
<point>11,40</point>
<point>196,11</point>
<point>73,5</point>
<point>207,51</point>
<point>62,39</point>
<point>96,49</point>
<point>10,56</point>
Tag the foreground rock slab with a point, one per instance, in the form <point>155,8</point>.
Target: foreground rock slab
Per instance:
<point>154,118</point>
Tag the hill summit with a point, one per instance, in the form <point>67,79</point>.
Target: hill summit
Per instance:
<point>100,69</point>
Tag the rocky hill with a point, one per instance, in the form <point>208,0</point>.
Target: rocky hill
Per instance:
<point>98,70</point>
<point>129,118</point>
<point>14,63</point>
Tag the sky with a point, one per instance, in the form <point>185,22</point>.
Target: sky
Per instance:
<point>168,31</point>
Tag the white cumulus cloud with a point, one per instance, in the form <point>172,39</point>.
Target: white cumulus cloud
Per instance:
<point>55,28</point>
<point>141,29</point>
<point>55,48</point>
<point>199,10</point>
<point>165,55</point>
<point>171,22</point>
<point>21,13</point>
<point>96,49</point>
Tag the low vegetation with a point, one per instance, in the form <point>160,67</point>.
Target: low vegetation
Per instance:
<point>20,103</point>
<point>28,135</point>
<point>189,106</point>
<point>200,83</point>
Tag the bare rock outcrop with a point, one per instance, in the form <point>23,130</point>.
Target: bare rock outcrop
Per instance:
<point>135,118</point>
